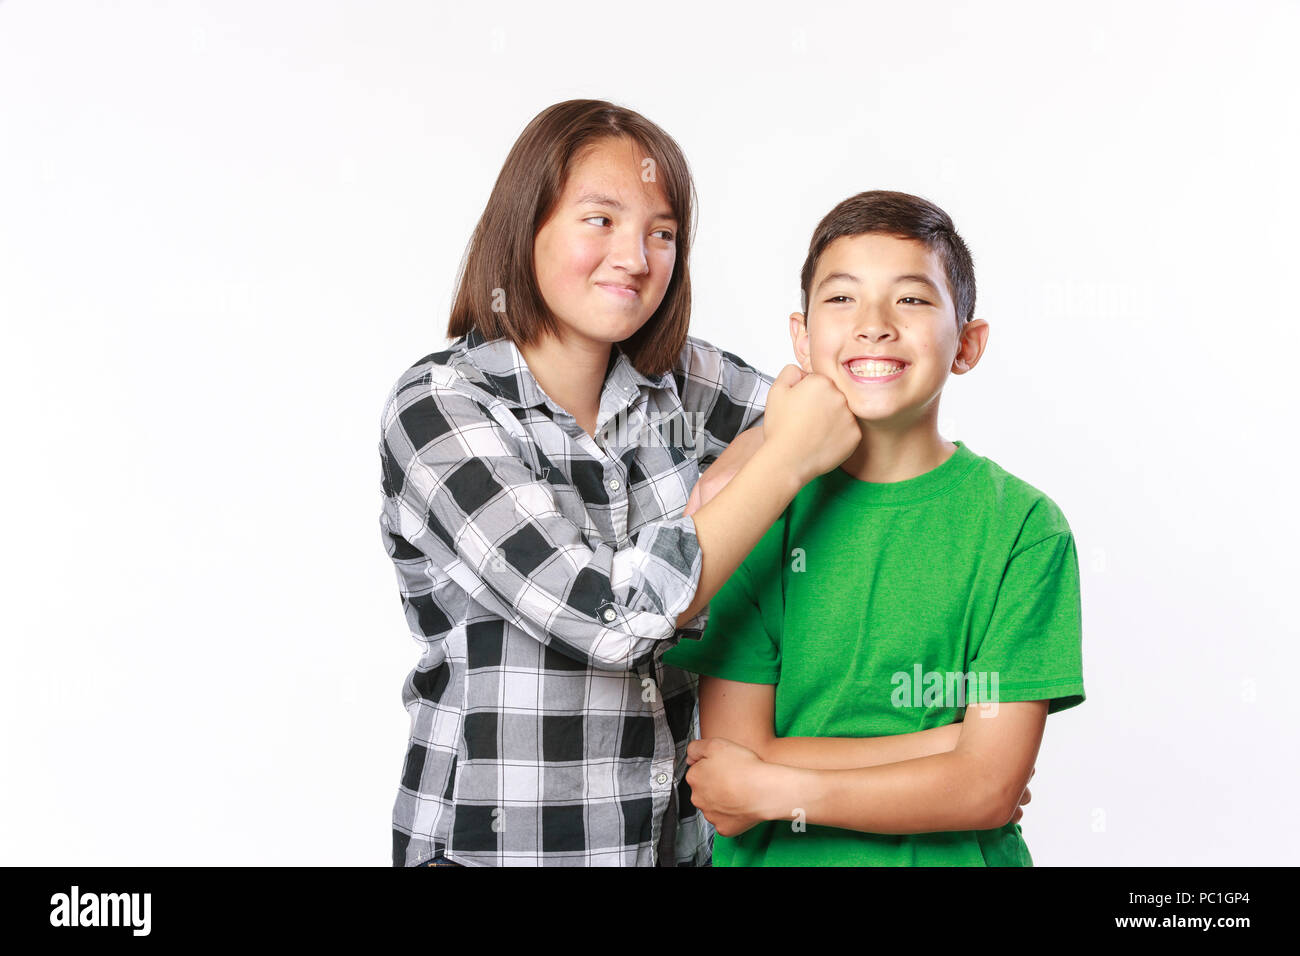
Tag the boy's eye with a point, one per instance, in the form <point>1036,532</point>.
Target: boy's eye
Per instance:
<point>836,298</point>
<point>912,298</point>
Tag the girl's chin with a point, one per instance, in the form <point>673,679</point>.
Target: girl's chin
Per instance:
<point>614,328</point>
<point>622,323</point>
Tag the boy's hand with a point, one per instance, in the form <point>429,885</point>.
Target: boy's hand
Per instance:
<point>725,781</point>
<point>726,466</point>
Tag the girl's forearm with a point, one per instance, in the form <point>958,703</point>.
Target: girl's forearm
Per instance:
<point>846,753</point>
<point>947,791</point>
<point>731,523</point>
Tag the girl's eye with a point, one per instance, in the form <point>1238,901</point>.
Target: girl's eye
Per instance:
<point>668,233</point>
<point>912,298</point>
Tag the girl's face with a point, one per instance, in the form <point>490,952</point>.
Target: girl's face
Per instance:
<point>605,255</point>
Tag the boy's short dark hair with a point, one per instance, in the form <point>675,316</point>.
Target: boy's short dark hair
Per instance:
<point>906,216</point>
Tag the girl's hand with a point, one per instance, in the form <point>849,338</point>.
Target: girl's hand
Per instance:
<point>722,470</point>
<point>726,782</point>
<point>809,420</point>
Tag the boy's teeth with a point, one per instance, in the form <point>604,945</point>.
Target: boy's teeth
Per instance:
<point>874,369</point>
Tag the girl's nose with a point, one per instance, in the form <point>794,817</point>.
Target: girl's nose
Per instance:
<point>628,253</point>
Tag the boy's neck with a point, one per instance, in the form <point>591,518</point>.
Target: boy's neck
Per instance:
<point>888,455</point>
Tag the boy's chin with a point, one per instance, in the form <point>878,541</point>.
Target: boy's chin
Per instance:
<point>881,419</point>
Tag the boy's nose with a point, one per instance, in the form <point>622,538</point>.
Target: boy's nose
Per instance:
<point>873,332</point>
<point>872,324</point>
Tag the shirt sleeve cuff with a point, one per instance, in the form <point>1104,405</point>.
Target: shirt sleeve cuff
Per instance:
<point>671,570</point>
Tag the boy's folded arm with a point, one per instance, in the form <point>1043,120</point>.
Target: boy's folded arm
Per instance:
<point>847,753</point>
<point>976,786</point>
<point>745,713</point>
<point>739,711</point>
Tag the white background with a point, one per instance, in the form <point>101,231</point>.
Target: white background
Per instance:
<point>226,228</point>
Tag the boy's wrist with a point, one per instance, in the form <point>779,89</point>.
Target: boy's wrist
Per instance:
<point>784,792</point>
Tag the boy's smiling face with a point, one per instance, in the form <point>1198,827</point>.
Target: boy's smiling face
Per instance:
<point>884,298</point>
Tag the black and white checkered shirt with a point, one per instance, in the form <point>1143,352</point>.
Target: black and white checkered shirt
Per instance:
<point>541,572</point>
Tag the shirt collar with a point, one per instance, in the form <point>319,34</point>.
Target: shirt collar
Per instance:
<point>506,374</point>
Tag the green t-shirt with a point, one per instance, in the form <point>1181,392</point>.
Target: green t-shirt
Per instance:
<point>869,604</point>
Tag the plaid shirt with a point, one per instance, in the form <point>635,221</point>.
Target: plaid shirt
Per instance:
<point>541,572</point>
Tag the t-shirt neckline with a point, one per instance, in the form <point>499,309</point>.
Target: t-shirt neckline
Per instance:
<point>931,484</point>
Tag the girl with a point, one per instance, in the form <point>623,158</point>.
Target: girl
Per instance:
<point>536,524</point>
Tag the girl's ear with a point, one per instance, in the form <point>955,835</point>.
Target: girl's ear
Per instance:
<point>799,339</point>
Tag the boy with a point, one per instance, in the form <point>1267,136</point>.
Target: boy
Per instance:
<point>916,579</point>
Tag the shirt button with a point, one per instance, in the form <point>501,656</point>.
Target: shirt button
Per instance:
<point>608,615</point>
<point>613,484</point>
<point>661,779</point>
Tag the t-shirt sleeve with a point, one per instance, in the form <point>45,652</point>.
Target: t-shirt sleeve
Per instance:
<point>736,643</point>
<point>1033,648</point>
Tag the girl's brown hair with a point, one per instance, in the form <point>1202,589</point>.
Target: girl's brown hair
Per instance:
<point>498,264</point>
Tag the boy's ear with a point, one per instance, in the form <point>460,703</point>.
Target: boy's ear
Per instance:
<point>799,339</point>
<point>974,337</point>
